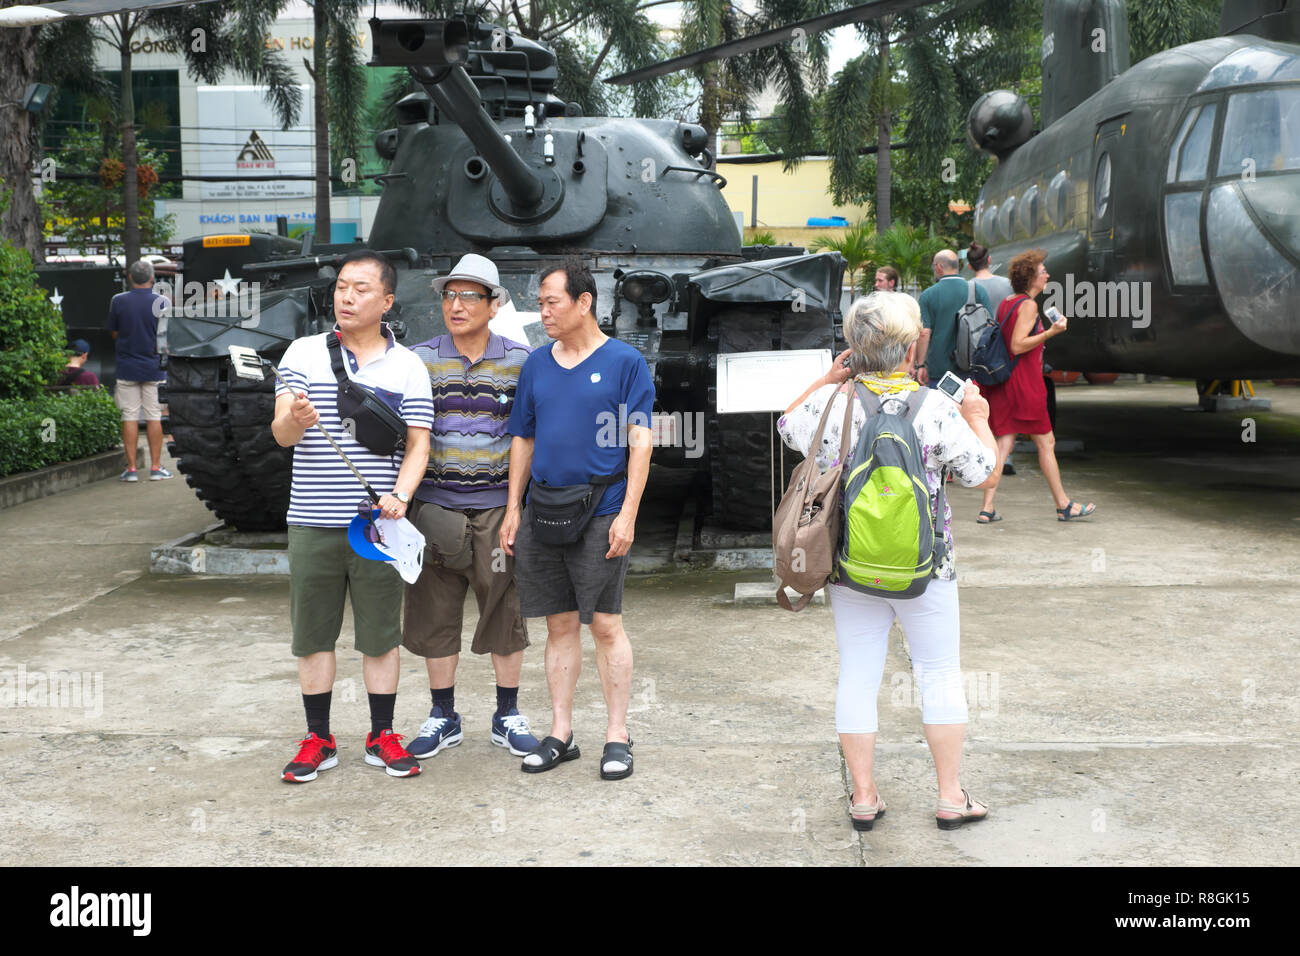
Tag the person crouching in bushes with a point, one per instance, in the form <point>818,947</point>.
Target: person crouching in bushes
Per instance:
<point>882,330</point>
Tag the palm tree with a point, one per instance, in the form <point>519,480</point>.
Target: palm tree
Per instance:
<point>923,69</point>
<point>855,245</point>
<point>910,250</point>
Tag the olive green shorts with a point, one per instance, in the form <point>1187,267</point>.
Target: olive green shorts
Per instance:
<point>322,569</point>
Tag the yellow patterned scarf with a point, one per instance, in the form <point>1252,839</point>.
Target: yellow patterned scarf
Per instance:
<point>893,382</point>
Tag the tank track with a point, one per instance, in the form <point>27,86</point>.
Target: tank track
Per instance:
<point>221,429</point>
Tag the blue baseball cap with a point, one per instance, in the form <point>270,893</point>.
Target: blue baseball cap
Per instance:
<point>79,347</point>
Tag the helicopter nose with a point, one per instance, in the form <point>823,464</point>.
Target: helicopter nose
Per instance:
<point>1253,229</point>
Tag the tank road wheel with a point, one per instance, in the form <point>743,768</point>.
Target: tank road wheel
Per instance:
<point>741,447</point>
<point>223,443</point>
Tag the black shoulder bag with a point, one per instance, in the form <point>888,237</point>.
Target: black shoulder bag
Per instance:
<point>366,417</point>
<point>560,513</point>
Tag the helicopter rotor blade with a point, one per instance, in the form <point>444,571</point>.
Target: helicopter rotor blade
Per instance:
<point>828,21</point>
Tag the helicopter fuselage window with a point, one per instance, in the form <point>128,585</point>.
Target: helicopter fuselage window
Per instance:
<point>1261,132</point>
<point>1029,211</point>
<point>1058,200</point>
<point>990,223</point>
<point>1102,186</point>
<point>1007,218</point>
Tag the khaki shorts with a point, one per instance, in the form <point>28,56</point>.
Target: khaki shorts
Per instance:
<point>436,601</point>
<point>138,400</point>
<point>323,568</point>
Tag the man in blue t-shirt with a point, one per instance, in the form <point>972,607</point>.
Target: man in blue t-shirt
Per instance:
<point>582,411</point>
<point>133,320</point>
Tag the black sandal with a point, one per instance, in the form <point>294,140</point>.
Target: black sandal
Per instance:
<point>553,751</point>
<point>616,752</point>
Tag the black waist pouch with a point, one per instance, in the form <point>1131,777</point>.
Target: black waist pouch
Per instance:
<point>366,416</point>
<point>560,513</point>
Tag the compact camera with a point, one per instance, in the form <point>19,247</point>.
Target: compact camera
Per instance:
<point>952,386</point>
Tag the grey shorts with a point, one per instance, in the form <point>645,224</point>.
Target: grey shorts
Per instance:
<point>558,578</point>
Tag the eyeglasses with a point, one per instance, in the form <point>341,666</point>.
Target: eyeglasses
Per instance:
<point>469,298</point>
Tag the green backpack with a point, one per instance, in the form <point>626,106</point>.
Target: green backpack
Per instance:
<point>889,545</point>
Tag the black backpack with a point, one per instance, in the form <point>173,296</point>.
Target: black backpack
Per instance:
<point>981,350</point>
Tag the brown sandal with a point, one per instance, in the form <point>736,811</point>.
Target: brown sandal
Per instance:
<point>864,815</point>
<point>967,811</point>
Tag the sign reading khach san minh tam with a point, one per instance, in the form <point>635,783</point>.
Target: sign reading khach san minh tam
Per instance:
<point>239,138</point>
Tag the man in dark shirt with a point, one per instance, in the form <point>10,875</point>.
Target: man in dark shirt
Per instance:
<point>133,320</point>
<point>76,373</point>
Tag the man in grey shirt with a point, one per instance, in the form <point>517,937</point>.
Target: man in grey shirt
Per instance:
<point>997,287</point>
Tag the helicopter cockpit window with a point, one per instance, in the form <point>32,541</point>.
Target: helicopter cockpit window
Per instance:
<point>1261,132</point>
<point>1191,153</point>
<point>1102,185</point>
<point>1029,211</point>
<point>1058,199</point>
<point>1183,238</point>
<point>1007,218</point>
<point>1252,65</point>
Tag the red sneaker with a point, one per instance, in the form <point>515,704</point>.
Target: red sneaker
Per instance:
<point>387,751</point>
<point>314,754</point>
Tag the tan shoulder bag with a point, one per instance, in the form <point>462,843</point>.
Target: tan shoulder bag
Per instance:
<point>806,529</point>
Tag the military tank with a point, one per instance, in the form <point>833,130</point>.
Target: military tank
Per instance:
<point>486,158</point>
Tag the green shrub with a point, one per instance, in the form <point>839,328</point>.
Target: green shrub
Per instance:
<point>32,336</point>
<point>56,427</point>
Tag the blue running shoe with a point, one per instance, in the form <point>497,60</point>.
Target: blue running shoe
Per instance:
<point>511,730</point>
<point>437,733</point>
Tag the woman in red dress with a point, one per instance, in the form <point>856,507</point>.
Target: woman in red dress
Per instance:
<point>1019,405</point>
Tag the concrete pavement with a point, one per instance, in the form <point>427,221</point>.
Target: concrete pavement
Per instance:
<point>1131,681</point>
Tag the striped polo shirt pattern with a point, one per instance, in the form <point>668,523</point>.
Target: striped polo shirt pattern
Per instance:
<point>469,451</point>
<point>325,493</point>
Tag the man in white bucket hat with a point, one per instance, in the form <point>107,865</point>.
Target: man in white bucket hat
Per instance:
<point>460,505</point>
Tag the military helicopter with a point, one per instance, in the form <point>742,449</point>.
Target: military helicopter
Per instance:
<point>1165,194</point>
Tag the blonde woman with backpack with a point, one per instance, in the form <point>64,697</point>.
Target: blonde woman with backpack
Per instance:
<point>882,330</point>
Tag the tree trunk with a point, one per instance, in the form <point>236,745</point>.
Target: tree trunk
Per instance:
<point>883,131</point>
<point>20,223</point>
<point>320,77</point>
<point>130,161</point>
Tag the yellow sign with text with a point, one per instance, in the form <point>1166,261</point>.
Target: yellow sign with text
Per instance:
<point>210,241</point>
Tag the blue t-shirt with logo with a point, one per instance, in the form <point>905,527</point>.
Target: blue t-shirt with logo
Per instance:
<point>131,315</point>
<point>580,416</point>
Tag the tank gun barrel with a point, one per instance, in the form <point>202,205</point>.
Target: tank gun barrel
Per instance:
<point>434,51</point>
<point>457,96</point>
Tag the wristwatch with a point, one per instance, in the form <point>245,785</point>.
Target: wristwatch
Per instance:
<point>402,496</point>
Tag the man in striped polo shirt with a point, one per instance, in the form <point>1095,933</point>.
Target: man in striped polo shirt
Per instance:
<point>323,501</point>
<point>459,507</point>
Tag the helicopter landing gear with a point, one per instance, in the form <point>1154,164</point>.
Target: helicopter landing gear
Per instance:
<point>1229,395</point>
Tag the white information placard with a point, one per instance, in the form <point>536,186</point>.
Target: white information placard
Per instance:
<point>767,381</point>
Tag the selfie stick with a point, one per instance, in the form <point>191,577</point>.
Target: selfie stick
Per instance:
<point>248,364</point>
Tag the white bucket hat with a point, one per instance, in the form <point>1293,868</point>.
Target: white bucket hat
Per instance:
<point>475,268</point>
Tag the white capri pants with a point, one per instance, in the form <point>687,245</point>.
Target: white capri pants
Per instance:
<point>932,623</point>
